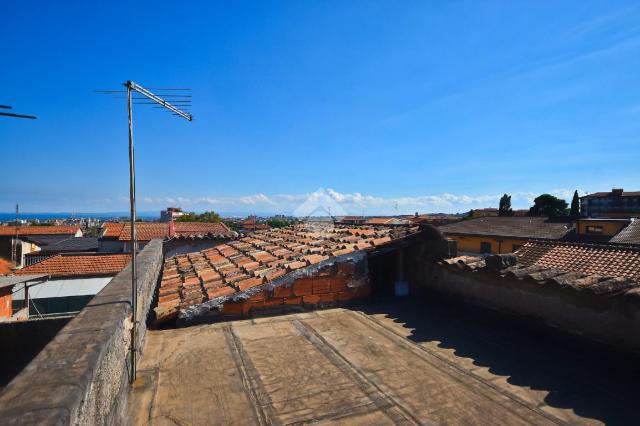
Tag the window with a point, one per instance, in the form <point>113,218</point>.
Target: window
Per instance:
<point>515,247</point>
<point>485,247</point>
<point>594,229</point>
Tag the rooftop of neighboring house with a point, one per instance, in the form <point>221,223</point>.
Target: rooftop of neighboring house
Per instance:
<point>70,244</point>
<point>352,218</point>
<point>386,221</point>
<point>65,265</point>
<point>605,260</point>
<point>148,231</point>
<point>39,230</point>
<point>264,256</point>
<point>434,218</point>
<point>600,268</point>
<point>615,192</point>
<point>629,234</point>
<point>511,226</point>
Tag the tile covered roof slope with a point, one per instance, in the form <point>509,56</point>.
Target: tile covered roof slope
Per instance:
<point>233,268</point>
<point>148,231</point>
<point>63,265</point>
<point>593,259</point>
<point>600,268</point>
<point>628,235</point>
<point>518,227</point>
<point>39,230</point>
<point>71,244</point>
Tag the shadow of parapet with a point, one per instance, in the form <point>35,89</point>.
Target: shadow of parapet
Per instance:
<point>595,381</point>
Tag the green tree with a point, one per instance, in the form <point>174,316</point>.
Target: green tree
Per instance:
<point>505,206</point>
<point>548,205</point>
<point>278,223</point>
<point>575,205</point>
<point>203,217</point>
<point>188,217</point>
<point>209,217</point>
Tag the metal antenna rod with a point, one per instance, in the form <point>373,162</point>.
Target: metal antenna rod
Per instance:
<point>11,114</point>
<point>131,87</point>
<point>134,241</point>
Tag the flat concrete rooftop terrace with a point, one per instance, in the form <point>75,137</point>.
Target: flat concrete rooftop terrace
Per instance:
<point>409,362</point>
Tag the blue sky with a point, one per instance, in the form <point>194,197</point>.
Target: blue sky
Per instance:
<point>429,105</point>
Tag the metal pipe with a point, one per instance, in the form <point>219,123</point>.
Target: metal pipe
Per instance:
<point>134,242</point>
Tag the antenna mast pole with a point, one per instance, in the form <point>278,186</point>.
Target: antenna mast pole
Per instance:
<point>133,87</point>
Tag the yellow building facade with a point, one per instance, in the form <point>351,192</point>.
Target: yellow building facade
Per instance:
<point>486,244</point>
<point>604,227</point>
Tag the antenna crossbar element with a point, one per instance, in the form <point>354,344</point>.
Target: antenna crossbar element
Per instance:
<point>8,114</point>
<point>136,87</point>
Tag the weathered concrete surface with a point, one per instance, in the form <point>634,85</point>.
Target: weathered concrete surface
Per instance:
<point>363,367</point>
<point>612,318</point>
<point>81,376</point>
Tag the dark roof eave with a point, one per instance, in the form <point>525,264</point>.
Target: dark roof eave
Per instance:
<point>520,237</point>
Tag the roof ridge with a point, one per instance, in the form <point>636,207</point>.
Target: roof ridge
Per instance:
<point>608,245</point>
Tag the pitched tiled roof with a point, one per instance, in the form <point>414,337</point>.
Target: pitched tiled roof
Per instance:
<point>71,244</point>
<point>517,227</point>
<point>39,230</point>
<point>628,235</point>
<point>264,256</point>
<point>386,221</point>
<point>145,231</point>
<point>601,269</point>
<point>46,240</point>
<point>112,229</point>
<point>594,259</point>
<point>149,231</point>
<point>63,265</point>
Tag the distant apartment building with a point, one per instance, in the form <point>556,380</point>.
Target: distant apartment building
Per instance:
<point>614,204</point>
<point>171,213</point>
<point>352,220</point>
<point>251,224</point>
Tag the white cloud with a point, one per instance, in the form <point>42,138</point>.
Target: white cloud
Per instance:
<point>349,203</point>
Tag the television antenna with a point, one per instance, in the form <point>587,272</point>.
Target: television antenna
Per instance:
<point>148,98</point>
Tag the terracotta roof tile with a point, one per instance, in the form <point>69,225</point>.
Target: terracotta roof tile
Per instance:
<point>78,265</point>
<point>260,258</point>
<point>148,231</point>
<point>628,235</point>
<point>39,230</point>
<point>604,260</point>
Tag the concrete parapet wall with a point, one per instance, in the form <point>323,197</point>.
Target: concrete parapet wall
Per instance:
<point>82,375</point>
<point>609,318</point>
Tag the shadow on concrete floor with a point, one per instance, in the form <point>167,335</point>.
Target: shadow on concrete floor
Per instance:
<point>594,380</point>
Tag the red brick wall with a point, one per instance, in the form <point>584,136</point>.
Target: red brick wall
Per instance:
<point>334,286</point>
<point>5,302</point>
